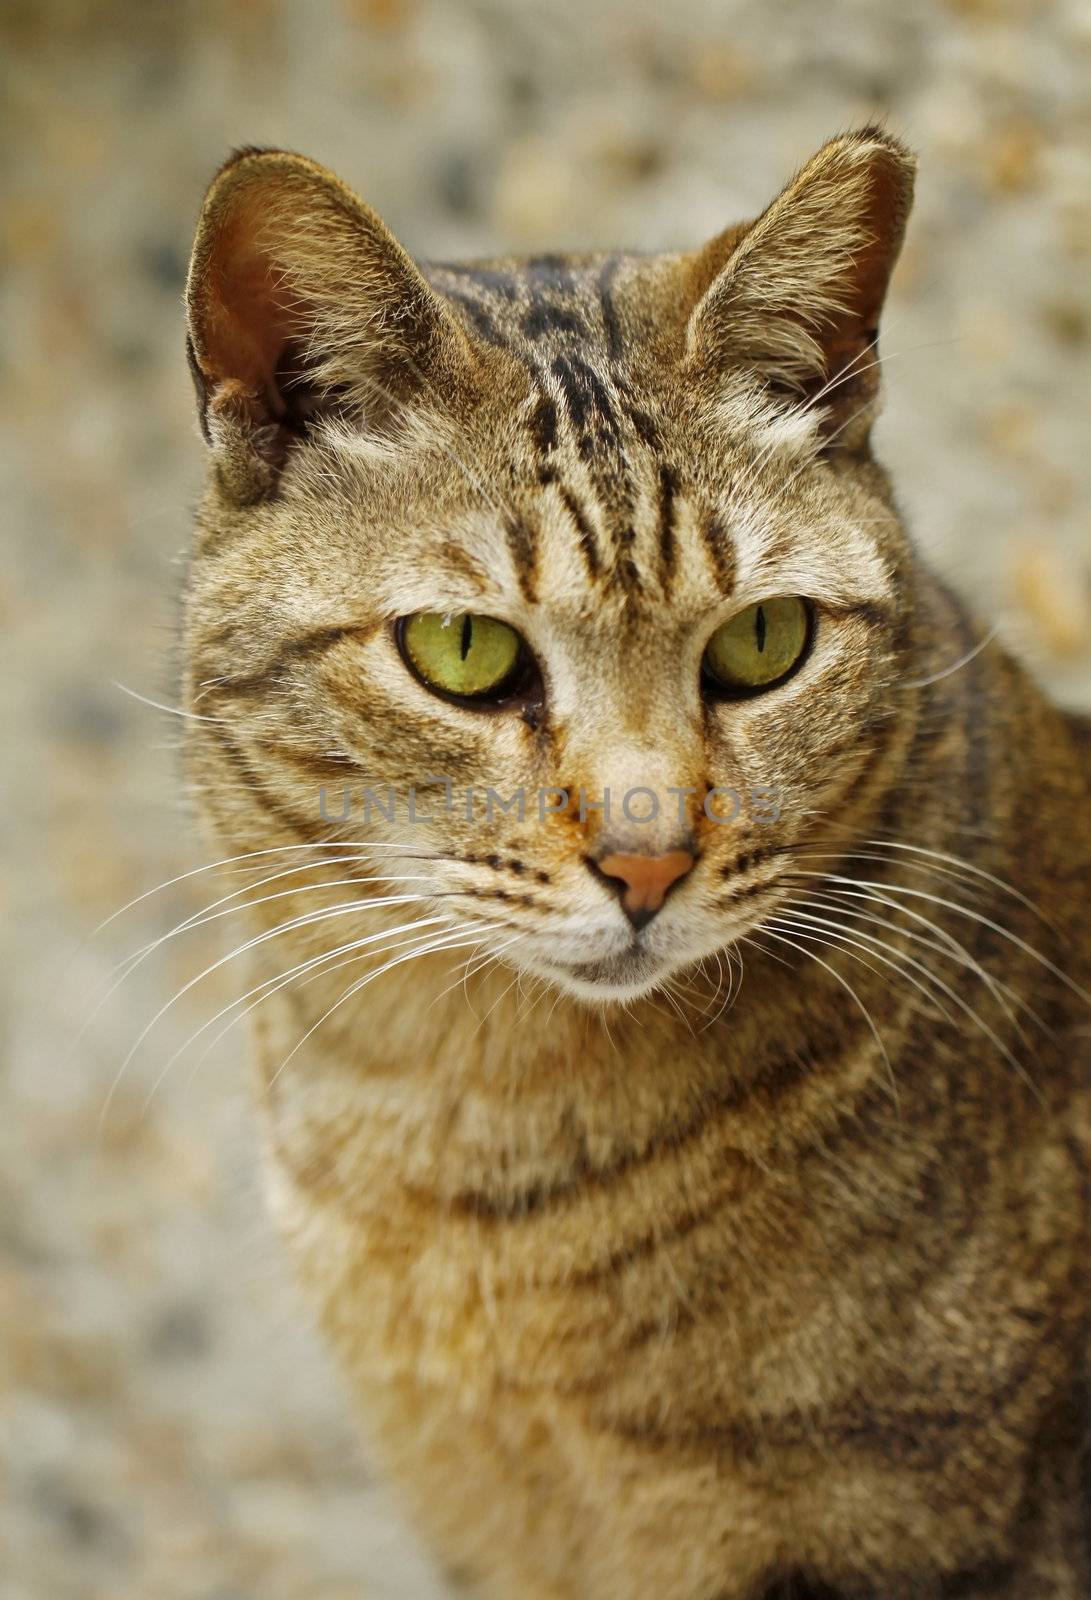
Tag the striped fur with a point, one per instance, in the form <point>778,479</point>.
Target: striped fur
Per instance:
<point>650,1283</point>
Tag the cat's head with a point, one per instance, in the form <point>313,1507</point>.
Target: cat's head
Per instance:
<point>542,529</point>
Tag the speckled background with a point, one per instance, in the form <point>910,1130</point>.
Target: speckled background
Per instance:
<point>168,1425</point>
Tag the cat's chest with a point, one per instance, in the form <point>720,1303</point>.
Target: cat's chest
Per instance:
<point>729,1394</point>
<point>664,1224</point>
<point>687,1324</point>
<point>674,1271</point>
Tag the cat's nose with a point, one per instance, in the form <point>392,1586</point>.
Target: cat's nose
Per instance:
<point>643,881</point>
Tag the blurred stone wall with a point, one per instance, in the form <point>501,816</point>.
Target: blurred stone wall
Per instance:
<point>171,1427</point>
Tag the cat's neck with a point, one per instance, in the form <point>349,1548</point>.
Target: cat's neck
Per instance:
<point>488,1095</point>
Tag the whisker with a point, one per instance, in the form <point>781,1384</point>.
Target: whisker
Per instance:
<point>733,989</point>
<point>344,909</point>
<point>229,861</point>
<point>837,976</point>
<point>954,948</point>
<point>314,967</point>
<point>964,660</point>
<point>970,867</point>
<point>839,935</point>
<point>157,705</point>
<point>666,990</point>
<point>864,361</point>
<point>962,911</point>
<point>466,972</point>
<point>691,995</point>
<point>442,942</point>
<point>482,1020</point>
<point>200,919</point>
<point>910,866</point>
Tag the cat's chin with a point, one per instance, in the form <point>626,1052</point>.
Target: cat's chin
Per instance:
<point>616,979</point>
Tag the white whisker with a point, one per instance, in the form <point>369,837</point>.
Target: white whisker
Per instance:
<point>964,660</point>
<point>456,939</point>
<point>230,861</point>
<point>200,919</point>
<point>157,705</point>
<point>839,935</point>
<point>952,947</point>
<point>344,909</point>
<point>837,976</point>
<point>301,974</point>
<point>962,911</point>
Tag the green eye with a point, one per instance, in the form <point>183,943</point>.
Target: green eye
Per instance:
<point>760,646</point>
<point>462,654</point>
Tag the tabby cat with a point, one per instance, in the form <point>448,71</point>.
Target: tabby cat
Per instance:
<point>692,1178</point>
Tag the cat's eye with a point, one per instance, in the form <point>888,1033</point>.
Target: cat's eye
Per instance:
<point>462,654</point>
<point>758,647</point>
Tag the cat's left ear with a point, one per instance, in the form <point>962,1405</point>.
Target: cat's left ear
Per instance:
<point>795,296</point>
<point>301,302</point>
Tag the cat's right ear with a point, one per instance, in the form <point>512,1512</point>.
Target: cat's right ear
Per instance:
<point>795,297</point>
<point>300,301</point>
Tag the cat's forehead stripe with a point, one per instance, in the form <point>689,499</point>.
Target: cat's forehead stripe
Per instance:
<point>720,549</point>
<point>587,401</point>
<point>558,319</point>
<point>668,551</point>
<point>607,309</point>
<point>613,495</point>
<point>541,306</point>
<point>522,537</point>
<point>581,521</point>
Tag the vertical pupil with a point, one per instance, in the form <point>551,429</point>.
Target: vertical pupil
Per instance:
<point>467,636</point>
<point>759,628</point>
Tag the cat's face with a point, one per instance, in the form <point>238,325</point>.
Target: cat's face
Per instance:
<point>556,542</point>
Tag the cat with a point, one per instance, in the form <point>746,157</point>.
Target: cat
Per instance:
<point>692,1179</point>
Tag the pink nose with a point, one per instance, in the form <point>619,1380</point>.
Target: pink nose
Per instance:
<point>646,880</point>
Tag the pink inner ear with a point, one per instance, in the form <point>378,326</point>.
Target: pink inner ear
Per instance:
<point>850,344</point>
<point>875,262</point>
<point>245,324</point>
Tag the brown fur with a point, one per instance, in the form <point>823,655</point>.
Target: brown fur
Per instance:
<point>648,1287</point>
